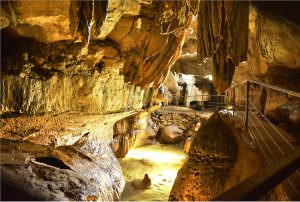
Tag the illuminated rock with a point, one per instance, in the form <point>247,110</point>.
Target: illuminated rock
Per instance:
<point>84,55</point>
<point>187,145</point>
<point>142,184</point>
<point>85,170</point>
<point>170,134</point>
<point>211,154</point>
<point>220,37</point>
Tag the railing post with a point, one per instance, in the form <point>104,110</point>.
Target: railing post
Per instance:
<point>247,104</point>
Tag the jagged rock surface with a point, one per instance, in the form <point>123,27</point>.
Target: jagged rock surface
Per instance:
<point>66,56</point>
<point>131,132</point>
<point>273,49</point>
<point>86,170</point>
<point>272,58</point>
<point>173,127</point>
<point>219,37</point>
<point>211,155</point>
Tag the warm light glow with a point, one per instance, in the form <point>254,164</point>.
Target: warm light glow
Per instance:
<point>227,111</point>
<point>161,163</point>
<point>208,77</point>
<point>155,156</point>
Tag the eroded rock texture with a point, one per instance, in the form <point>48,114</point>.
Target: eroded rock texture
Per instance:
<point>131,132</point>
<point>272,58</point>
<point>273,50</point>
<point>86,170</point>
<point>211,155</point>
<point>220,36</point>
<point>91,56</point>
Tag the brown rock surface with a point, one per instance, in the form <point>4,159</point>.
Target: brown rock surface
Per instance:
<point>75,49</point>
<point>219,37</point>
<point>273,49</point>
<point>170,134</point>
<point>211,155</point>
<point>85,170</point>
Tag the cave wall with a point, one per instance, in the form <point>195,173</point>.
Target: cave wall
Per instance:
<point>273,58</point>
<point>273,50</point>
<point>87,56</point>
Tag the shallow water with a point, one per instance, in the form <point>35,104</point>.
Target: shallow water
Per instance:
<point>160,162</point>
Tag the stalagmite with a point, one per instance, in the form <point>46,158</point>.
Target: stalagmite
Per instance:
<point>211,154</point>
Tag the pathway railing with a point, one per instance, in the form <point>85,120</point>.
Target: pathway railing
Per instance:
<point>280,155</point>
<point>198,101</point>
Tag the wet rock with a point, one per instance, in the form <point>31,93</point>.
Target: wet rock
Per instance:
<point>85,170</point>
<point>131,132</point>
<point>142,184</point>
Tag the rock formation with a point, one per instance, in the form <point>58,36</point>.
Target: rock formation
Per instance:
<point>273,47</point>
<point>219,37</point>
<point>86,170</point>
<point>211,154</point>
<point>87,50</point>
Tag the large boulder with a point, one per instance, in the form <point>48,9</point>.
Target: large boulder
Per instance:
<point>170,134</point>
<point>87,170</point>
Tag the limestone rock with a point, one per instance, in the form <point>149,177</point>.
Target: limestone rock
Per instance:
<point>211,155</point>
<point>272,49</point>
<point>196,181</point>
<point>278,40</point>
<point>187,144</point>
<point>86,170</point>
<point>170,134</point>
<point>74,48</point>
<point>121,146</point>
<point>142,184</point>
<point>171,83</point>
<point>219,37</point>
<point>287,113</point>
<point>214,132</point>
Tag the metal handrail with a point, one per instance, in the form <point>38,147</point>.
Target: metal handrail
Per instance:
<point>256,186</point>
<point>259,184</point>
<point>276,88</point>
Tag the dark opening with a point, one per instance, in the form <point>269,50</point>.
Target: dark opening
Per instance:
<point>53,162</point>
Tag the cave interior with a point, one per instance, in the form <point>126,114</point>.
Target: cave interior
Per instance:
<point>183,100</point>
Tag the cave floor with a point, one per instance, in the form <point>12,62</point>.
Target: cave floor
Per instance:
<point>161,162</point>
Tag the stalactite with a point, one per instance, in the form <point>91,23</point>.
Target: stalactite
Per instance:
<point>222,36</point>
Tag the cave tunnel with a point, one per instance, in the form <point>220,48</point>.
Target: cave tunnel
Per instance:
<point>125,100</point>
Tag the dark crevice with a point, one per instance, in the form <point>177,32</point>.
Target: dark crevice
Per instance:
<point>53,162</point>
<point>286,9</point>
